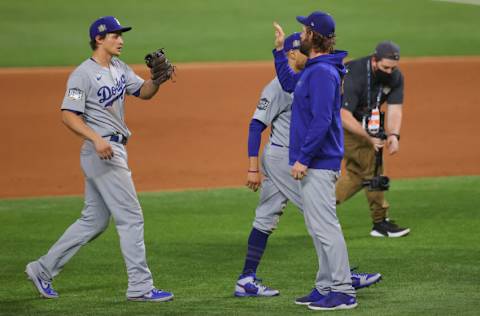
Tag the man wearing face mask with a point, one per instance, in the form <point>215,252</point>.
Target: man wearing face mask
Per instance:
<point>370,82</point>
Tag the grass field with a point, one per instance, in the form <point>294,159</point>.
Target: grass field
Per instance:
<point>196,242</point>
<point>55,32</point>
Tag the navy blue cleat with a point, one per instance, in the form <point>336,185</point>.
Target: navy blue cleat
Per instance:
<point>362,280</point>
<point>249,285</point>
<point>44,288</point>
<point>154,295</point>
<point>314,296</point>
<point>333,301</point>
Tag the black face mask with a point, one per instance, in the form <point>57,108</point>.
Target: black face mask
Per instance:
<point>382,77</point>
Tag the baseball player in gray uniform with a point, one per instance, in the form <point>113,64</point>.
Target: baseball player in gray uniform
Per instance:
<point>93,108</point>
<point>278,186</point>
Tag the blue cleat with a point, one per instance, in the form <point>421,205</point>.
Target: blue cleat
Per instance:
<point>154,295</point>
<point>333,301</point>
<point>314,296</point>
<point>44,288</point>
<point>249,285</point>
<point>362,280</point>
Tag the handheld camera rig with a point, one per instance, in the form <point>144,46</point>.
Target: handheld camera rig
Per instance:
<point>379,182</point>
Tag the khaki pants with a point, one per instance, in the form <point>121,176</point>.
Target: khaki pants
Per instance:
<point>360,165</point>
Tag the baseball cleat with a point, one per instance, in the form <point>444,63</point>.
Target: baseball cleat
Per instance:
<point>154,295</point>
<point>333,301</point>
<point>249,285</point>
<point>362,280</point>
<point>388,229</point>
<point>314,296</point>
<point>44,288</point>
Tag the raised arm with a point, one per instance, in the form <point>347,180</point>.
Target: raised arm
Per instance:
<point>287,77</point>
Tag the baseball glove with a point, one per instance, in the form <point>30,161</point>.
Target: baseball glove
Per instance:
<point>160,68</point>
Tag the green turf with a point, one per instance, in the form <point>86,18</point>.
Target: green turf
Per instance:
<point>55,32</point>
<point>196,244</point>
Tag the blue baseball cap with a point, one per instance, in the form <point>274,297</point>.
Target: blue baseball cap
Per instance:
<point>292,42</point>
<point>320,22</point>
<point>106,24</point>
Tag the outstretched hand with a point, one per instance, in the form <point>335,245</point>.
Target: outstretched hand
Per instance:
<point>279,36</point>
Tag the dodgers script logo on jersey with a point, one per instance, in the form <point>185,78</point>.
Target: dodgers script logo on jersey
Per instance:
<point>109,94</point>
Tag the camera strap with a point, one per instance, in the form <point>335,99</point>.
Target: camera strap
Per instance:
<point>371,121</point>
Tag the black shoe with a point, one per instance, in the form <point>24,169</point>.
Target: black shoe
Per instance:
<point>388,229</point>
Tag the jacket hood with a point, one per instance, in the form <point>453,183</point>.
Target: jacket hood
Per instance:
<point>335,59</point>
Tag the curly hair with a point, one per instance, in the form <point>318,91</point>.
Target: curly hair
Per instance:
<point>320,43</point>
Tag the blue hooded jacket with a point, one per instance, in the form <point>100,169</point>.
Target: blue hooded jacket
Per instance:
<point>316,134</point>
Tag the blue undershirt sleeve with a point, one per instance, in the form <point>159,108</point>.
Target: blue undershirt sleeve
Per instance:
<point>137,93</point>
<point>255,137</point>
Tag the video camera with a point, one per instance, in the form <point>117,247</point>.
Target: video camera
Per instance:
<point>378,182</point>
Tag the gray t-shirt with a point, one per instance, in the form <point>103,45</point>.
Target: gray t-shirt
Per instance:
<point>275,109</point>
<point>98,93</point>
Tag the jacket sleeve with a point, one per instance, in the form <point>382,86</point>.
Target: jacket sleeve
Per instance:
<point>287,77</point>
<point>321,89</point>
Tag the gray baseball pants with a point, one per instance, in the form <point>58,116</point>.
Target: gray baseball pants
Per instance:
<point>109,191</point>
<point>278,187</point>
<point>318,193</point>
<point>315,197</point>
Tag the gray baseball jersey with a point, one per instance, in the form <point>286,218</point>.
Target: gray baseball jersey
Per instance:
<point>99,93</point>
<point>274,108</point>
<point>278,186</point>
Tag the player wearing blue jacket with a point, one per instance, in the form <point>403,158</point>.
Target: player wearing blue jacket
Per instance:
<point>317,139</point>
<point>278,187</point>
<point>316,151</point>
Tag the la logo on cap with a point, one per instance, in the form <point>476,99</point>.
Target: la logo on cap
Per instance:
<point>102,28</point>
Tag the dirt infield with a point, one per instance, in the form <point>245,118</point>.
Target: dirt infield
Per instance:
<point>193,133</point>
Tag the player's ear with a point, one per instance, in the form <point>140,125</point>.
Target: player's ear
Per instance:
<point>308,33</point>
<point>99,39</point>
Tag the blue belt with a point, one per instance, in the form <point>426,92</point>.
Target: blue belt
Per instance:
<point>278,145</point>
<point>118,138</point>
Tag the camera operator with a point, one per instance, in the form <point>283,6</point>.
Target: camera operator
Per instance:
<point>370,82</point>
